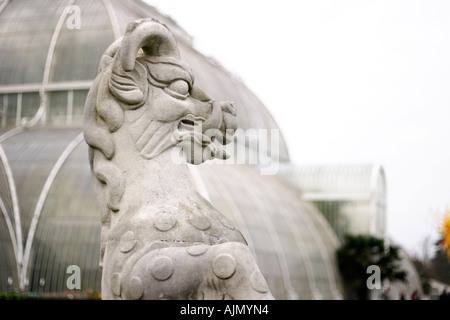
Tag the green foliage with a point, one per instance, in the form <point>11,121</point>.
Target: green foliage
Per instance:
<point>424,274</point>
<point>359,252</point>
<point>440,265</point>
<point>425,281</point>
<point>16,296</point>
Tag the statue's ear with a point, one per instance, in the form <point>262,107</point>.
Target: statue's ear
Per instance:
<point>129,87</point>
<point>150,35</point>
<point>129,77</point>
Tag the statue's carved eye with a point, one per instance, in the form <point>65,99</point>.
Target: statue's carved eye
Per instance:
<point>178,89</point>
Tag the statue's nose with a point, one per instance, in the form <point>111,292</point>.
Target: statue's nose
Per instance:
<point>214,121</point>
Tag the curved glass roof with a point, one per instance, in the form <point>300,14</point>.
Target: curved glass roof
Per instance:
<point>40,51</point>
<point>57,209</point>
<point>26,33</point>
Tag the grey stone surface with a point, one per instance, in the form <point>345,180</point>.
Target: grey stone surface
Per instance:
<point>144,118</point>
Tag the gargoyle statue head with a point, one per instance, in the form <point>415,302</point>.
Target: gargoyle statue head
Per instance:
<point>144,86</point>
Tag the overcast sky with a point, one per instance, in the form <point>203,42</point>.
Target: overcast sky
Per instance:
<point>348,82</point>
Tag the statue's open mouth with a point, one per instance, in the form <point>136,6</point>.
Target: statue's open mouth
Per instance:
<point>196,142</point>
<point>191,123</point>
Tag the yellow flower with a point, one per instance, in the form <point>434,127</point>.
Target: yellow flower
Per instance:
<point>445,244</point>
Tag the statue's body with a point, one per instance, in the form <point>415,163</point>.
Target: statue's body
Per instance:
<point>160,238</point>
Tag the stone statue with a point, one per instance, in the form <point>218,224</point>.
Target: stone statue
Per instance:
<point>160,238</point>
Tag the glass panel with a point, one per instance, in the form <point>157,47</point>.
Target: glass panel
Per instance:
<point>11,109</point>
<point>71,215</point>
<point>8,268</point>
<point>30,105</point>
<point>3,108</point>
<point>80,62</point>
<point>57,110</point>
<point>125,15</point>
<point>79,98</point>
<point>31,156</point>
<point>336,180</point>
<point>358,215</point>
<point>25,34</point>
<point>5,192</point>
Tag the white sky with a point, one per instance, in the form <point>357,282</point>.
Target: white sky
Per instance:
<point>348,82</point>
